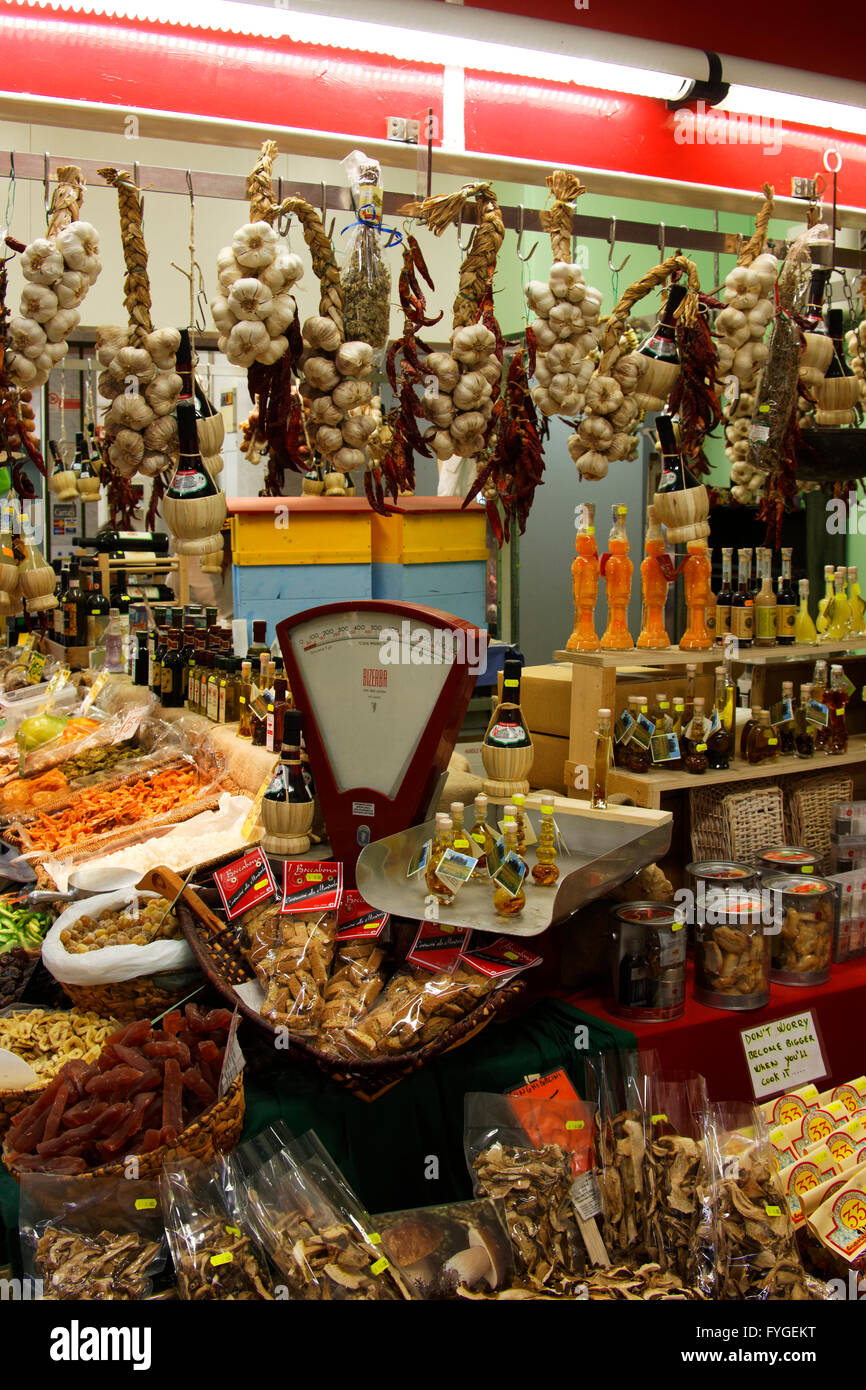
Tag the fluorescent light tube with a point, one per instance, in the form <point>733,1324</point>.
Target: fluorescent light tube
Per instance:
<point>802,110</point>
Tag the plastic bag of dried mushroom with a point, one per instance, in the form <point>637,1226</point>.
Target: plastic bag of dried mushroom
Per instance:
<point>104,1242</point>
<point>756,1250</point>
<point>676,1179</point>
<point>215,1255</point>
<point>317,1234</point>
<point>534,1185</point>
<point>622,1094</point>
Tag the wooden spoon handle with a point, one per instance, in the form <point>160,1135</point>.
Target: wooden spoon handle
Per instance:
<point>170,885</point>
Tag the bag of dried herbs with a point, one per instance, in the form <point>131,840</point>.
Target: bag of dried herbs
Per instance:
<point>366,278</point>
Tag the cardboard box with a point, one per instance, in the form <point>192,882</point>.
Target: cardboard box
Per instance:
<point>548,765</point>
<point>545,698</point>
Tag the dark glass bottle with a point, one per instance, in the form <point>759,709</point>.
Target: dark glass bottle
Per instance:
<point>817,288</point>
<point>289,782</point>
<point>674,475</point>
<point>786,604</point>
<point>661,344</point>
<point>762,744</point>
<point>786,729</point>
<point>804,732</point>
<point>507,728</point>
<point>274,723</point>
<point>742,604</point>
<point>172,671</point>
<point>245,727</point>
<point>141,654</point>
<point>258,644</point>
<point>821,732</point>
<point>97,613</point>
<point>191,480</point>
<point>110,542</point>
<point>837,698</point>
<point>747,729</point>
<point>725,596</point>
<point>637,754</point>
<point>160,646</point>
<point>212,706</point>
<point>720,741</point>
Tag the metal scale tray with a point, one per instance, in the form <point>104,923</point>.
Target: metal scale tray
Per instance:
<point>605,847</point>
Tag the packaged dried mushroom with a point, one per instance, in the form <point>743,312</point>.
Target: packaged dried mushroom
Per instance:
<point>800,950</point>
<point>215,1256</point>
<point>675,1176</point>
<point>316,1232</point>
<point>756,1250</point>
<point>534,1185</point>
<point>621,1090</point>
<point>358,971</point>
<point>732,967</point>
<point>104,1242</point>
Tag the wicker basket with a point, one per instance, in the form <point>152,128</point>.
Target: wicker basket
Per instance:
<point>11,1102</point>
<point>808,805</point>
<point>728,824</point>
<point>146,996</point>
<point>215,1131</point>
<point>225,966</point>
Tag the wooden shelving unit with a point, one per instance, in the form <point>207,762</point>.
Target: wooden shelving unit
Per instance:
<point>751,656</point>
<point>158,567</point>
<point>647,789</point>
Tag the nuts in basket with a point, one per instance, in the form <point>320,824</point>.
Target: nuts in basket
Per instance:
<point>135,925</point>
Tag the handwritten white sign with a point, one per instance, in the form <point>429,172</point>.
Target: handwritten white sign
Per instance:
<point>783,1054</point>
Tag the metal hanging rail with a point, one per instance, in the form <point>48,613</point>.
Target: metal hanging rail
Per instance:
<point>206,184</point>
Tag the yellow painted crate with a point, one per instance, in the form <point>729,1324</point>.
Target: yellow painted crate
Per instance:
<point>430,530</point>
<point>300,531</point>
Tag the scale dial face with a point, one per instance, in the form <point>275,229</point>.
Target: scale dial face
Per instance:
<point>372,700</point>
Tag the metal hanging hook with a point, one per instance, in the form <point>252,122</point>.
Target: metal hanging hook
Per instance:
<point>611,242</point>
<point>463,249</point>
<point>190,188</point>
<point>46,181</point>
<point>661,242</point>
<point>520,256</point>
<point>330,230</point>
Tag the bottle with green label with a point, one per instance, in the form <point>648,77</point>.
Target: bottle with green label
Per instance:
<point>507,728</point>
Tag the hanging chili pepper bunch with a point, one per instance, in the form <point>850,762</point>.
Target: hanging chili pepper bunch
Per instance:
<point>467,380</point>
<point>693,396</point>
<point>394,445</point>
<point>256,316</point>
<point>17,416</point>
<point>509,479</point>
<point>567,310</point>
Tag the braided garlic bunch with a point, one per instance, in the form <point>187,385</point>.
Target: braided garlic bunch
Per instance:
<point>606,434</point>
<point>567,312</point>
<point>59,269</point>
<point>855,341</point>
<point>460,403</point>
<point>140,381</point>
<point>747,481</point>
<point>740,327</point>
<point>255,307</point>
<point>336,384</point>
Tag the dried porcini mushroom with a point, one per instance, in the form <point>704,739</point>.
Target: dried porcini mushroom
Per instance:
<point>756,1250</point>
<point>535,1185</point>
<point>673,1198</point>
<point>415,1007</point>
<point>328,1261</point>
<point>217,1260</point>
<point>620,1146</point>
<point>76,1266</point>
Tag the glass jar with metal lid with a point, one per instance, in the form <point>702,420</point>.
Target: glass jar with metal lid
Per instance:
<point>732,950</point>
<point>721,873</point>
<point>648,962</point>
<point>802,941</point>
<point>787,859</point>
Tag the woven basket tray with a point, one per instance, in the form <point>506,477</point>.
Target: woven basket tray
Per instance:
<point>735,824</point>
<point>13,1101</point>
<point>808,805</point>
<point>144,997</point>
<point>116,777</point>
<point>215,1131</point>
<point>225,966</point>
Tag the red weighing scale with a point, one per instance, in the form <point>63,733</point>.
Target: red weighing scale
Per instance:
<point>384,689</point>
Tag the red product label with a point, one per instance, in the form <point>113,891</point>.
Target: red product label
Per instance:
<point>246,883</point>
<point>375,678</point>
<point>356,918</point>
<point>501,956</point>
<point>437,947</point>
<point>311,886</point>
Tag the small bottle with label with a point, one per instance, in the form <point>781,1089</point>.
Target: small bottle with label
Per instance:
<point>857,602</point>
<point>822,622</point>
<point>838,624</point>
<point>695,759</point>
<point>505,903</point>
<point>519,801</point>
<point>819,686</point>
<point>691,682</point>
<point>742,603</point>
<point>696,579</point>
<point>720,740</point>
<point>602,760</point>
<point>617,578</point>
<point>747,728</point>
<point>837,698</point>
<point>785,730</point>
<point>459,838</point>
<point>765,605</point>
<point>637,754</point>
<point>762,744</point>
<point>804,731</point>
<point>245,728</point>
<point>544,870</point>
<point>435,887</point>
<point>679,705</point>
<point>482,835</point>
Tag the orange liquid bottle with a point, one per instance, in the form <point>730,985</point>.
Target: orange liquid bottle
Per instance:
<point>618,571</point>
<point>584,583</point>
<point>696,575</point>
<point>654,586</point>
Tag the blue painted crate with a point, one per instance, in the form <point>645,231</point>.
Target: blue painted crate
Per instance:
<point>455,587</point>
<point>274,592</point>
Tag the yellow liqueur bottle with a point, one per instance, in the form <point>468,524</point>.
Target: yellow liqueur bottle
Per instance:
<point>435,887</point>
<point>804,627</point>
<point>505,903</point>
<point>602,760</point>
<point>544,870</point>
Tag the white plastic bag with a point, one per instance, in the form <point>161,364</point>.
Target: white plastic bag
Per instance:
<point>113,964</point>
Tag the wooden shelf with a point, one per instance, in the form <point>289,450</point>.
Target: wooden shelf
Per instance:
<point>647,788</point>
<point>751,656</point>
